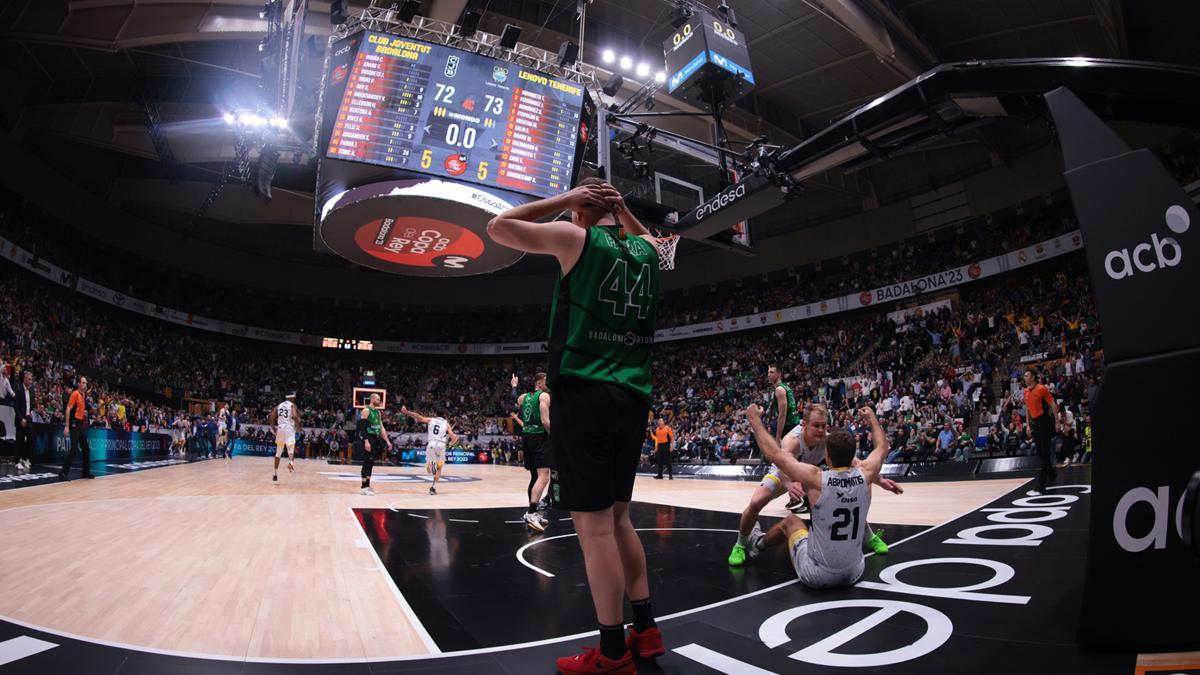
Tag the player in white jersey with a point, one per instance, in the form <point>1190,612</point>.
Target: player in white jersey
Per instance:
<point>435,443</point>
<point>807,440</point>
<point>284,418</point>
<point>839,499</point>
<point>223,433</point>
<point>179,435</point>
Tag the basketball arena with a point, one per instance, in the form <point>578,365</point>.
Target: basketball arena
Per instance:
<point>599,336</point>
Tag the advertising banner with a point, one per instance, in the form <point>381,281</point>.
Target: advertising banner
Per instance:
<point>453,456</point>
<point>109,446</point>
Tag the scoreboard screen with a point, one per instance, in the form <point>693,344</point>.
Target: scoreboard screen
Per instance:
<point>344,343</point>
<point>432,109</point>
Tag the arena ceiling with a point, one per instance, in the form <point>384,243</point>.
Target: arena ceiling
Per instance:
<point>79,76</point>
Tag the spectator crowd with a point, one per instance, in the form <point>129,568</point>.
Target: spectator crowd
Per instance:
<point>935,377</point>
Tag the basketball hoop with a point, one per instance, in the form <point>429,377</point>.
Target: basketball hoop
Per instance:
<point>666,251</point>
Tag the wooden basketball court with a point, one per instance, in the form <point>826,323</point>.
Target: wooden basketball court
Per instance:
<point>212,558</point>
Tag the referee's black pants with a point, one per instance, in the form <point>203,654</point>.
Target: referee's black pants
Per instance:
<point>78,442</point>
<point>1042,441</point>
<point>663,455</point>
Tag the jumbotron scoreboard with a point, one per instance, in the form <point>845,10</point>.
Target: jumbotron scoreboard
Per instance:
<point>436,110</point>
<point>705,53</point>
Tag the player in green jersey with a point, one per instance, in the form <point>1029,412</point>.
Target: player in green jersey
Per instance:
<point>602,327</point>
<point>534,420</point>
<point>374,439</point>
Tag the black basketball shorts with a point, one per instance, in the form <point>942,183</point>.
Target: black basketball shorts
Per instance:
<point>536,449</point>
<point>598,433</point>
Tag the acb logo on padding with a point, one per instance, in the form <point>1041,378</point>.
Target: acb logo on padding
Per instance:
<point>1159,252</point>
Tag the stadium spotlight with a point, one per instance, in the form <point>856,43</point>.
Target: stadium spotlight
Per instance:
<point>408,11</point>
<point>230,118</point>
<point>626,63</point>
<point>609,56</point>
<point>613,85</point>
<point>509,38</point>
<point>660,77</point>
<point>643,69</point>
<point>469,25</point>
<point>568,54</point>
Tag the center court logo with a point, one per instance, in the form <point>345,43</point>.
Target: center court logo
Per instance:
<point>1154,254</point>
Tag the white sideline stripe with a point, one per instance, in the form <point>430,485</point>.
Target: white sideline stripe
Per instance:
<point>22,647</point>
<point>719,662</point>
<point>415,515</point>
<point>426,638</point>
<point>377,659</point>
<point>521,551</point>
<point>362,543</point>
<point>461,520</point>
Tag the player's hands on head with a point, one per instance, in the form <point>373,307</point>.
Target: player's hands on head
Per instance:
<point>600,195</point>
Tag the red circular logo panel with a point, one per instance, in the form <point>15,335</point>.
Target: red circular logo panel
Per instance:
<point>429,228</point>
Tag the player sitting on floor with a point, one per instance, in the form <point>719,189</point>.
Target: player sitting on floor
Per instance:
<point>839,498</point>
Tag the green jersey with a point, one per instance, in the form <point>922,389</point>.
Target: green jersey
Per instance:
<point>603,315</point>
<point>793,413</point>
<point>531,413</point>
<point>374,422</point>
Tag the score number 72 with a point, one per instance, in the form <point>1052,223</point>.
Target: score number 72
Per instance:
<point>444,93</point>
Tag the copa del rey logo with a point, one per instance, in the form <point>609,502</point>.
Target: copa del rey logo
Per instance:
<point>1159,252</point>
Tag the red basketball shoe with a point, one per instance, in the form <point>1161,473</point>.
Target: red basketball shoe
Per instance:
<point>592,662</point>
<point>648,644</point>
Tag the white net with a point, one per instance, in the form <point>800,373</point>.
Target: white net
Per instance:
<point>666,251</point>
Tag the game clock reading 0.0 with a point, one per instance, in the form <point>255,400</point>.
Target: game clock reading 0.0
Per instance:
<point>437,110</point>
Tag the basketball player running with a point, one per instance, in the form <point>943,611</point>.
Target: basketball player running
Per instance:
<point>534,420</point>
<point>602,327</point>
<point>839,499</point>
<point>435,443</point>
<point>284,420</point>
<point>375,439</point>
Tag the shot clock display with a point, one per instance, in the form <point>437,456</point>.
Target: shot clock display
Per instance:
<point>432,109</point>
